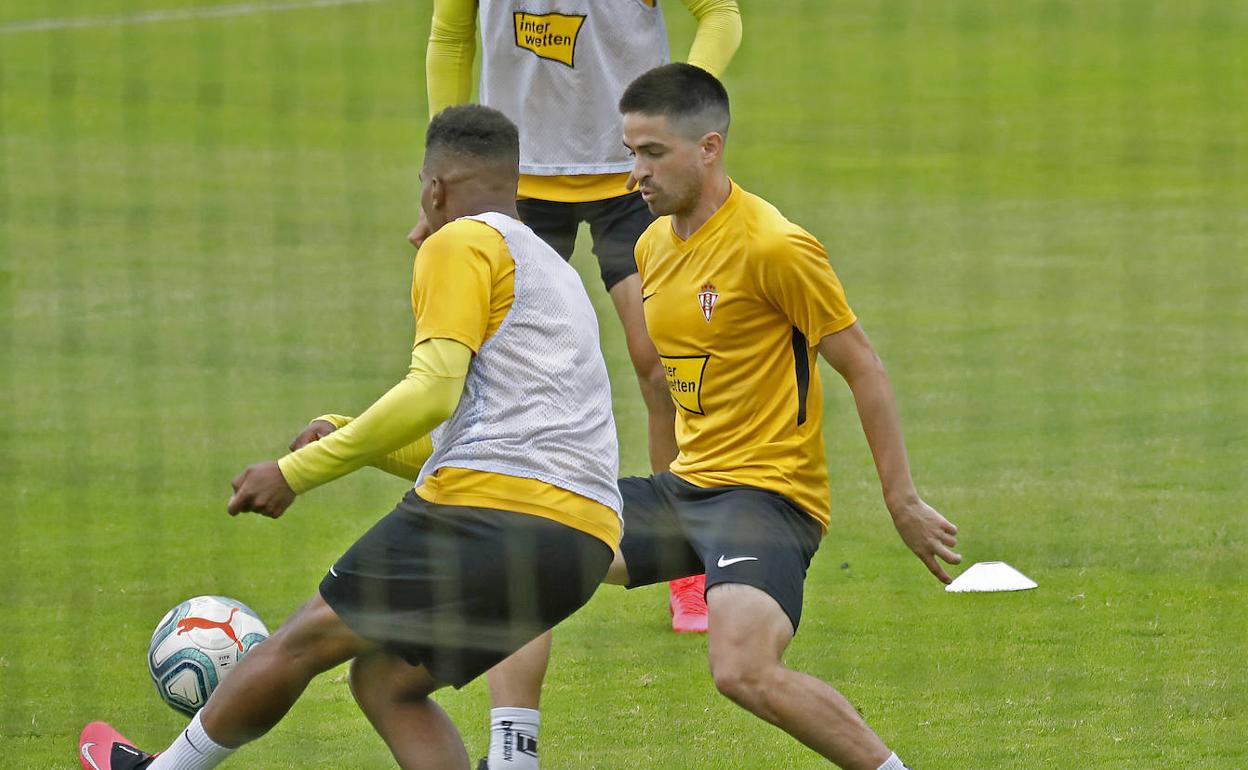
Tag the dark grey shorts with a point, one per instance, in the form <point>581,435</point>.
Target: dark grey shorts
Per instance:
<point>614,223</point>
<point>456,589</point>
<point>735,534</point>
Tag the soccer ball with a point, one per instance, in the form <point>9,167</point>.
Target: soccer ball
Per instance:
<point>195,646</point>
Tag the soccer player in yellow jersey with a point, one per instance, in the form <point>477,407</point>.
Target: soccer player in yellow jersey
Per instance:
<point>739,301</point>
<point>519,477</point>
<point>557,68</point>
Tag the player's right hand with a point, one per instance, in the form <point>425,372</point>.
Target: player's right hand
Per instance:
<point>316,430</point>
<point>929,535</point>
<point>261,488</point>
<point>420,232</point>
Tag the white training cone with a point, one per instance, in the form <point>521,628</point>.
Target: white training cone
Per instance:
<point>990,576</point>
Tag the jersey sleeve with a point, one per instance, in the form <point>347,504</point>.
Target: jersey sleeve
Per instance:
<point>798,280</point>
<point>718,34</point>
<point>448,57</point>
<point>453,282</point>
<point>400,418</point>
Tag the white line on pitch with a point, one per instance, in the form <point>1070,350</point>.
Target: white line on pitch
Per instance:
<point>175,14</point>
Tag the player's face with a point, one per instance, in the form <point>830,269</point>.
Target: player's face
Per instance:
<point>667,165</point>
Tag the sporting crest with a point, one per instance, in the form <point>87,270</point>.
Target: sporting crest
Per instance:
<point>707,298</point>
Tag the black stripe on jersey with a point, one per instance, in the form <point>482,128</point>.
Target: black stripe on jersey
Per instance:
<point>801,365</point>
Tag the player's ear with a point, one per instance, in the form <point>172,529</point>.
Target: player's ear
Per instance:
<point>437,192</point>
<point>712,146</point>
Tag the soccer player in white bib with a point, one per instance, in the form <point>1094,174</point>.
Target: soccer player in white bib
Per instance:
<point>557,68</point>
<point>505,420</point>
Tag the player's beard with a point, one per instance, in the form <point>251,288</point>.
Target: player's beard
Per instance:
<point>675,202</point>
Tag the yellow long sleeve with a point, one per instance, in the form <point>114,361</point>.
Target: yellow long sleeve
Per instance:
<point>718,35</point>
<point>404,462</point>
<point>448,58</point>
<point>388,433</point>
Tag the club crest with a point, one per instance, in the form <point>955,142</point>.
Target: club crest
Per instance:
<point>707,298</point>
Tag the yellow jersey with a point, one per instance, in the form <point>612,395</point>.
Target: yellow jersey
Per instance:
<point>736,312</point>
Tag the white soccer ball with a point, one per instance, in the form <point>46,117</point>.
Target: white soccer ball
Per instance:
<point>196,644</point>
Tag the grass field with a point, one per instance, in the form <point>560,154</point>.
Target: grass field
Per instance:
<point>1039,210</point>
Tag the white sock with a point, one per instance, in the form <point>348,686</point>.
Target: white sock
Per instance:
<point>893,763</point>
<point>513,739</point>
<point>192,750</point>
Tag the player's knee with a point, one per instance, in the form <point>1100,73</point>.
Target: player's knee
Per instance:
<point>365,685</point>
<point>314,638</point>
<point>740,681</point>
<point>379,680</point>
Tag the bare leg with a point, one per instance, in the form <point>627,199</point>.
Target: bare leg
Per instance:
<point>517,681</point>
<point>749,633</point>
<point>395,697</point>
<point>267,682</point>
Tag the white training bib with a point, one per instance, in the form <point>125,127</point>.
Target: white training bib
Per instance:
<point>537,399</point>
<point>557,68</point>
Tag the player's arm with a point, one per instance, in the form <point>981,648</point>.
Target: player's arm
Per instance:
<point>404,462</point>
<point>718,34</point>
<point>923,529</point>
<point>454,298</point>
<point>400,418</point>
<point>448,58</point>
<point>407,412</point>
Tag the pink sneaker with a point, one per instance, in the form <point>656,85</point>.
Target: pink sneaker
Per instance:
<point>100,747</point>
<point>688,604</point>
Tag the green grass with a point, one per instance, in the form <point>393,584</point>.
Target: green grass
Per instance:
<point>1038,209</point>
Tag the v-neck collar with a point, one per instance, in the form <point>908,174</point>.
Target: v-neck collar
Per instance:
<point>712,222</point>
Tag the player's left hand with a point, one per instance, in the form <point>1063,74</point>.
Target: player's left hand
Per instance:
<point>929,535</point>
<point>261,488</point>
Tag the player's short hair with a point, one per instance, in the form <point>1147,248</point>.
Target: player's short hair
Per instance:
<point>477,132</point>
<point>682,93</point>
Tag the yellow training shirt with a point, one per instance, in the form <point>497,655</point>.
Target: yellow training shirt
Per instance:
<point>462,288</point>
<point>736,312</point>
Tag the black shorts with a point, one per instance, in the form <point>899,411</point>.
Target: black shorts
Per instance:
<point>614,223</point>
<point>456,589</point>
<point>735,534</point>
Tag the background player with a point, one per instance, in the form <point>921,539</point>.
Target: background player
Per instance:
<point>426,598</point>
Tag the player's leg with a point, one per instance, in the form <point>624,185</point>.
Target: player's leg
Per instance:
<point>615,225</point>
<point>515,694</point>
<point>247,704</point>
<point>268,681</point>
<point>552,221</point>
<point>257,694</point>
<point>653,539</point>
<point>394,695</point>
<point>756,546</point>
<point>748,635</point>
<point>654,548</point>
<point>485,585</point>
<point>518,679</point>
